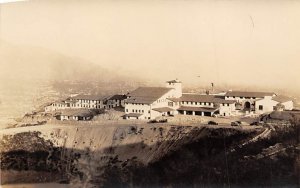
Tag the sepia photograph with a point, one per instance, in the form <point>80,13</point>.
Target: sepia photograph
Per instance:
<point>149,93</point>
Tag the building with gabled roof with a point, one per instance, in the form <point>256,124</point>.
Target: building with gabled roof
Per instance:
<point>149,102</point>
<point>75,114</point>
<point>77,102</point>
<point>246,99</point>
<point>248,94</point>
<point>269,104</point>
<point>153,102</point>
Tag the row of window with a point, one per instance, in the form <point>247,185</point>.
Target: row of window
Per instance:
<point>137,111</point>
<point>161,100</point>
<point>88,101</point>
<point>197,103</point>
<point>225,104</point>
<point>74,105</point>
<point>136,103</point>
<point>242,97</point>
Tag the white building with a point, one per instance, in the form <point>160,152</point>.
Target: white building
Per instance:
<point>258,102</point>
<point>77,102</point>
<point>153,102</point>
<point>205,105</point>
<point>269,104</point>
<point>246,100</point>
<point>149,103</point>
<point>75,114</point>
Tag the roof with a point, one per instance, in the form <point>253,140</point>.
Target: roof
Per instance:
<point>147,95</point>
<point>282,98</point>
<point>205,98</point>
<point>174,81</point>
<point>163,109</point>
<point>88,97</point>
<point>60,102</point>
<point>248,94</point>
<point>76,112</point>
<point>133,115</point>
<point>118,97</point>
<point>69,101</point>
<point>197,109</point>
<point>174,99</point>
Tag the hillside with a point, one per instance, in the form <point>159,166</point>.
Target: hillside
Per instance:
<point>31,76</point>
<point>141,155</point>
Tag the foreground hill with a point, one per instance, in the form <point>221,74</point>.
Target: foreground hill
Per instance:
<point>134,154</point>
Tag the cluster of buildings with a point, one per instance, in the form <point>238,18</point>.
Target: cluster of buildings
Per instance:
<point>82,107</point>
<point>152,102</point>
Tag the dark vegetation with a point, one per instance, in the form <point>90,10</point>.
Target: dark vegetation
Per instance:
<point>211,161</point>
<point>29,152</point>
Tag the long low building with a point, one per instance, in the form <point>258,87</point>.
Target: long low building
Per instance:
<point>75,114</point>
<point>77,102</point>
<point>259,102</point>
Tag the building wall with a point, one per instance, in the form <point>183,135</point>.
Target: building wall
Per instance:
<point>289,105</point>
<point>146,109</point>
<point>227,109</point>
<point>140,109</point>
<point>197,104</point>
<point>267,104</point>
<point>80,103</point>
<point>177,89</point>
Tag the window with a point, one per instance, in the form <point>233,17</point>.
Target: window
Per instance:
<point>143,111</point>
<point>192,102</point>
<point>170,103</point>
<point>205,103</point>
<point>132,110</point>
<point>260,107</point>
<point>227,104</point>
<point>149,111</point>
<point>126,110</point>
<point>234,97</point>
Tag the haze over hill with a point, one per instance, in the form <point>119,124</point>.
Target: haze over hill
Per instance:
<point>31,76</point>
<point>227,42</point>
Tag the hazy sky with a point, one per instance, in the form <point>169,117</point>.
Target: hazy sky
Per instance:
<point>247,42</point>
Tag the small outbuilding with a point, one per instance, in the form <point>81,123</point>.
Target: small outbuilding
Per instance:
<point>75,114</point>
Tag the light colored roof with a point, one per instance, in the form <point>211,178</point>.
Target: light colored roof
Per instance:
<point>146,95</point>
<point>163,109</point>
<point>282,98</point>
<point>204,98</point>
<point>197,109</point>
<point>76,112</point>
<point>88,97</point>
<point>248,94</point>
<point>133,115</point>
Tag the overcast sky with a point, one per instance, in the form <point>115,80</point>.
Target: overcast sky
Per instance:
<point>235,42</point>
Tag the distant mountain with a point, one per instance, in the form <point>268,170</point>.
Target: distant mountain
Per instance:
<point>33,63</point>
